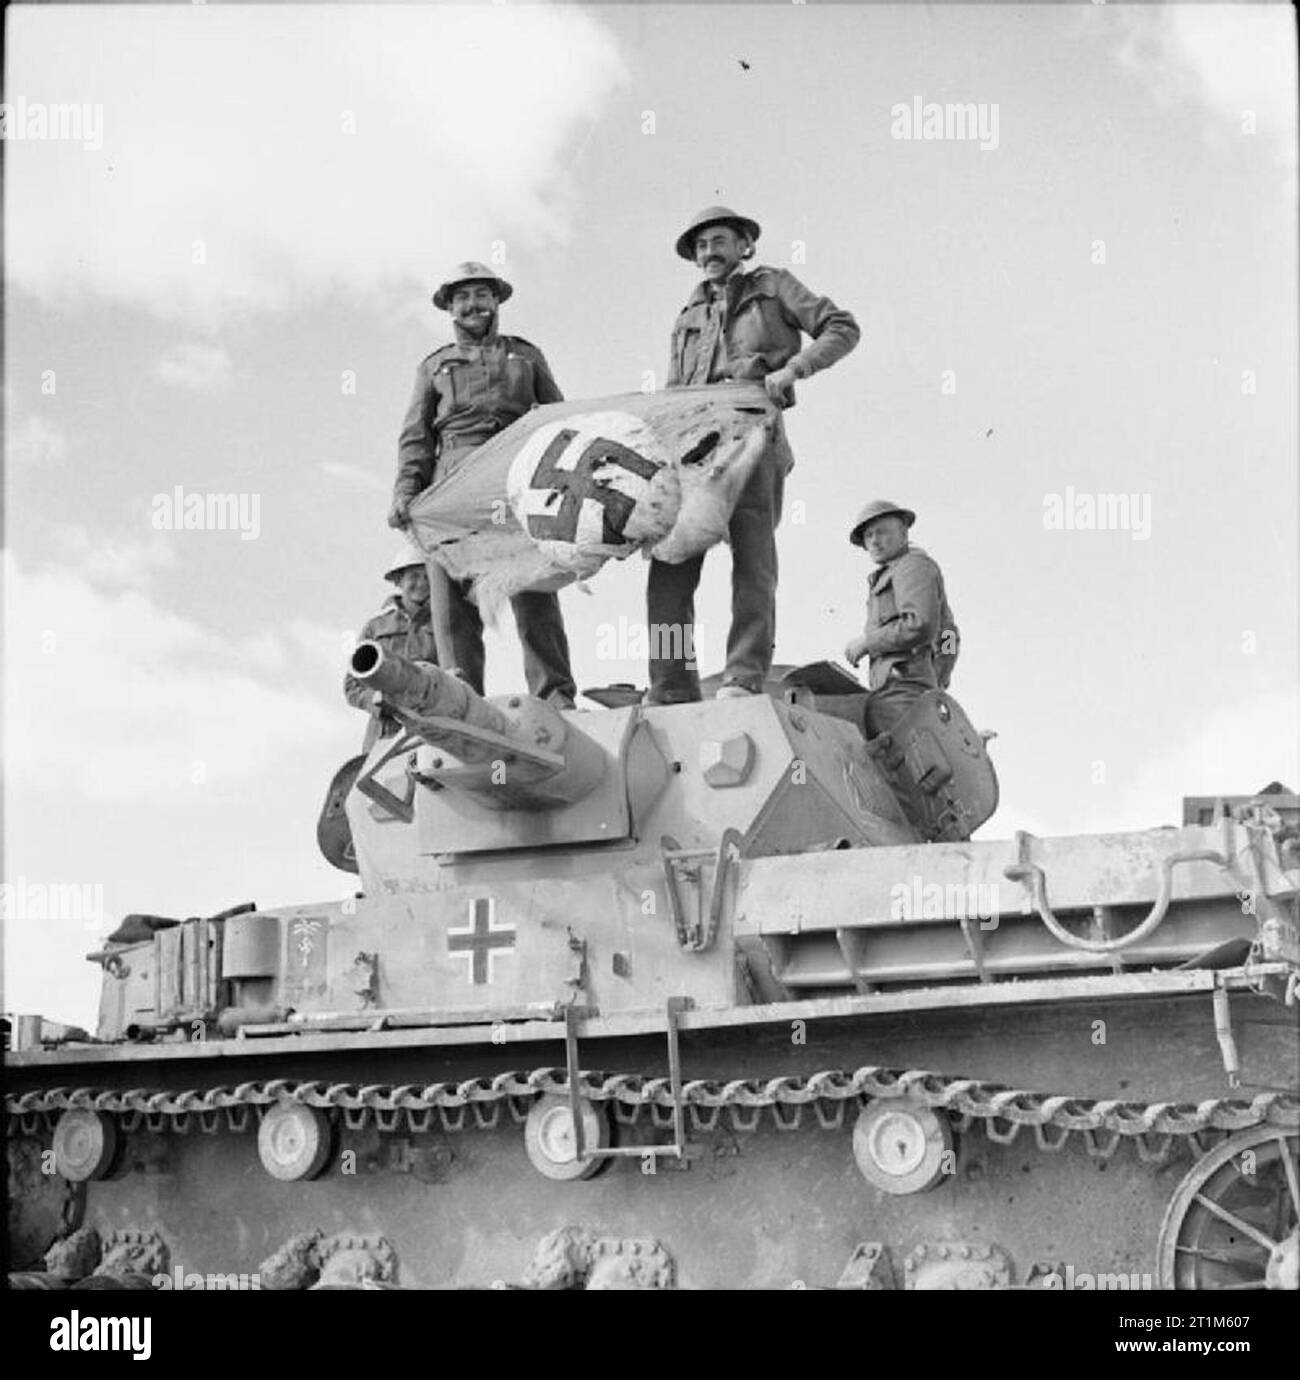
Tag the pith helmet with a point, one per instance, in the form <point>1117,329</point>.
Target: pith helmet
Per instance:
<point>878,507</point>
<point>470,272</point>
<point>714,215</point>
<point>406,555</point>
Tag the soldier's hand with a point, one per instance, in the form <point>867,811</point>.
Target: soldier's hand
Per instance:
<point>780,386</point>
<point>399,515</point>
<point>855,650</point>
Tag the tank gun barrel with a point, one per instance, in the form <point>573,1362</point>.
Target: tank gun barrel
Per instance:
<point>424,690</point>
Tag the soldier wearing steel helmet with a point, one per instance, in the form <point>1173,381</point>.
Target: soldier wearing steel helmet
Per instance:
<point>911,636</point>
<point>740,324</point>
<point>465,393</point>
<point>401,626</point>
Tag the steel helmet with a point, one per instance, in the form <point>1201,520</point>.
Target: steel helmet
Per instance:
<point>714,215</point>
<point>406,555</point>
<point>470,271</point>
<point>878,507</point>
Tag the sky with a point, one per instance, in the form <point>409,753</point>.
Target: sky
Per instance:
<point>219,279</point>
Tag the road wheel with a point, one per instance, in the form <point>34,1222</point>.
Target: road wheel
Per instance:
<point>293,1141</point>
<point>84,1144</point>
<point>549,1138</point>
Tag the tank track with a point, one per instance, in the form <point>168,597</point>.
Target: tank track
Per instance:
<point>1154,1128</point>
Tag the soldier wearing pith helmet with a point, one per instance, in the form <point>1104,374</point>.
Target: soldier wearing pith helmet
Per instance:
<point>464,394</point>
<point>740,323</point>
<point>910,636</point>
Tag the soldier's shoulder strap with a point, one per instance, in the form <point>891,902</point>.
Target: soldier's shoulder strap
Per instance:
<point>925,556</point>
<point>436,355</point>
<point>768,275</point>
<point>383,620</point>
<point>527,344</point>
<point>698,296</point>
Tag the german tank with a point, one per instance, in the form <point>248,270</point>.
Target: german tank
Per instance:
<point>717,994</point>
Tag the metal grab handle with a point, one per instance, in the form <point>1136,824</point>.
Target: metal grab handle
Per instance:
<point>1034,875</point>
<point>697,936</point>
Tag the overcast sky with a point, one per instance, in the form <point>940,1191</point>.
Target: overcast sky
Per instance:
<point>225,288</point>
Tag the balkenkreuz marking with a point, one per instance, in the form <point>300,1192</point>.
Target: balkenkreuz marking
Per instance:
<point>481,940</point>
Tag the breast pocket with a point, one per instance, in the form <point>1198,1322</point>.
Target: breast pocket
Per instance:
<point>688,352</point>
<point>420,645</point>
<point>453,386</point>
<point>886,606</point>
<point>756,335</point>
<point>518,387</point>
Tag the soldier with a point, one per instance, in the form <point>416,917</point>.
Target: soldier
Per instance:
<point>465,393</point>
<point>910,637</point>
<point>740,325</point>
<point>401,626</point>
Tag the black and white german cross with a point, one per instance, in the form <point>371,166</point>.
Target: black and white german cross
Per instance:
<point>578,484</point>
<point>482,940</point>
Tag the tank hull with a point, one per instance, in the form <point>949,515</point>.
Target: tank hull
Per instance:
<point>760,1208</point>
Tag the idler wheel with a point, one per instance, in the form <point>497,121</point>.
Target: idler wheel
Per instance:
<point>549,1138</point>
<point>84,1144</point>
<point>901,1145</point>
<point>1234,1221</point>
<point>293,1141</point>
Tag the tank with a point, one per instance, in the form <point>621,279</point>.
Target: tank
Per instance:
<point>720,994</point>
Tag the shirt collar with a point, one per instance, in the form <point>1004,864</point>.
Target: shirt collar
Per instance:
<point>394,602</point>
<point>880,571</point>
<point>704,289</point>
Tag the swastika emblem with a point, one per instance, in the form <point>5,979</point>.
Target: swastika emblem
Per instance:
<point>481,940</point>
<point>580,483</point>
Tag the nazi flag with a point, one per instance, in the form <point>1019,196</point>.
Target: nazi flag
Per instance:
<point>597,484</point>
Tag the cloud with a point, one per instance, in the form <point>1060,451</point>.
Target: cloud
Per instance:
<point>117,563</point>
<point>204,368</point>
<point>123,702</point>
<point>1232,752</point>
<point>35,442</point>
<point>1234,60</point>
<point>342,159</point>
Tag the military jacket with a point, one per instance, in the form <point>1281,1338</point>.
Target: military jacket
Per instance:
<point>464,394</point>
<point>910,633</point>
<point>396,631</point>
<point>752,326</point>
